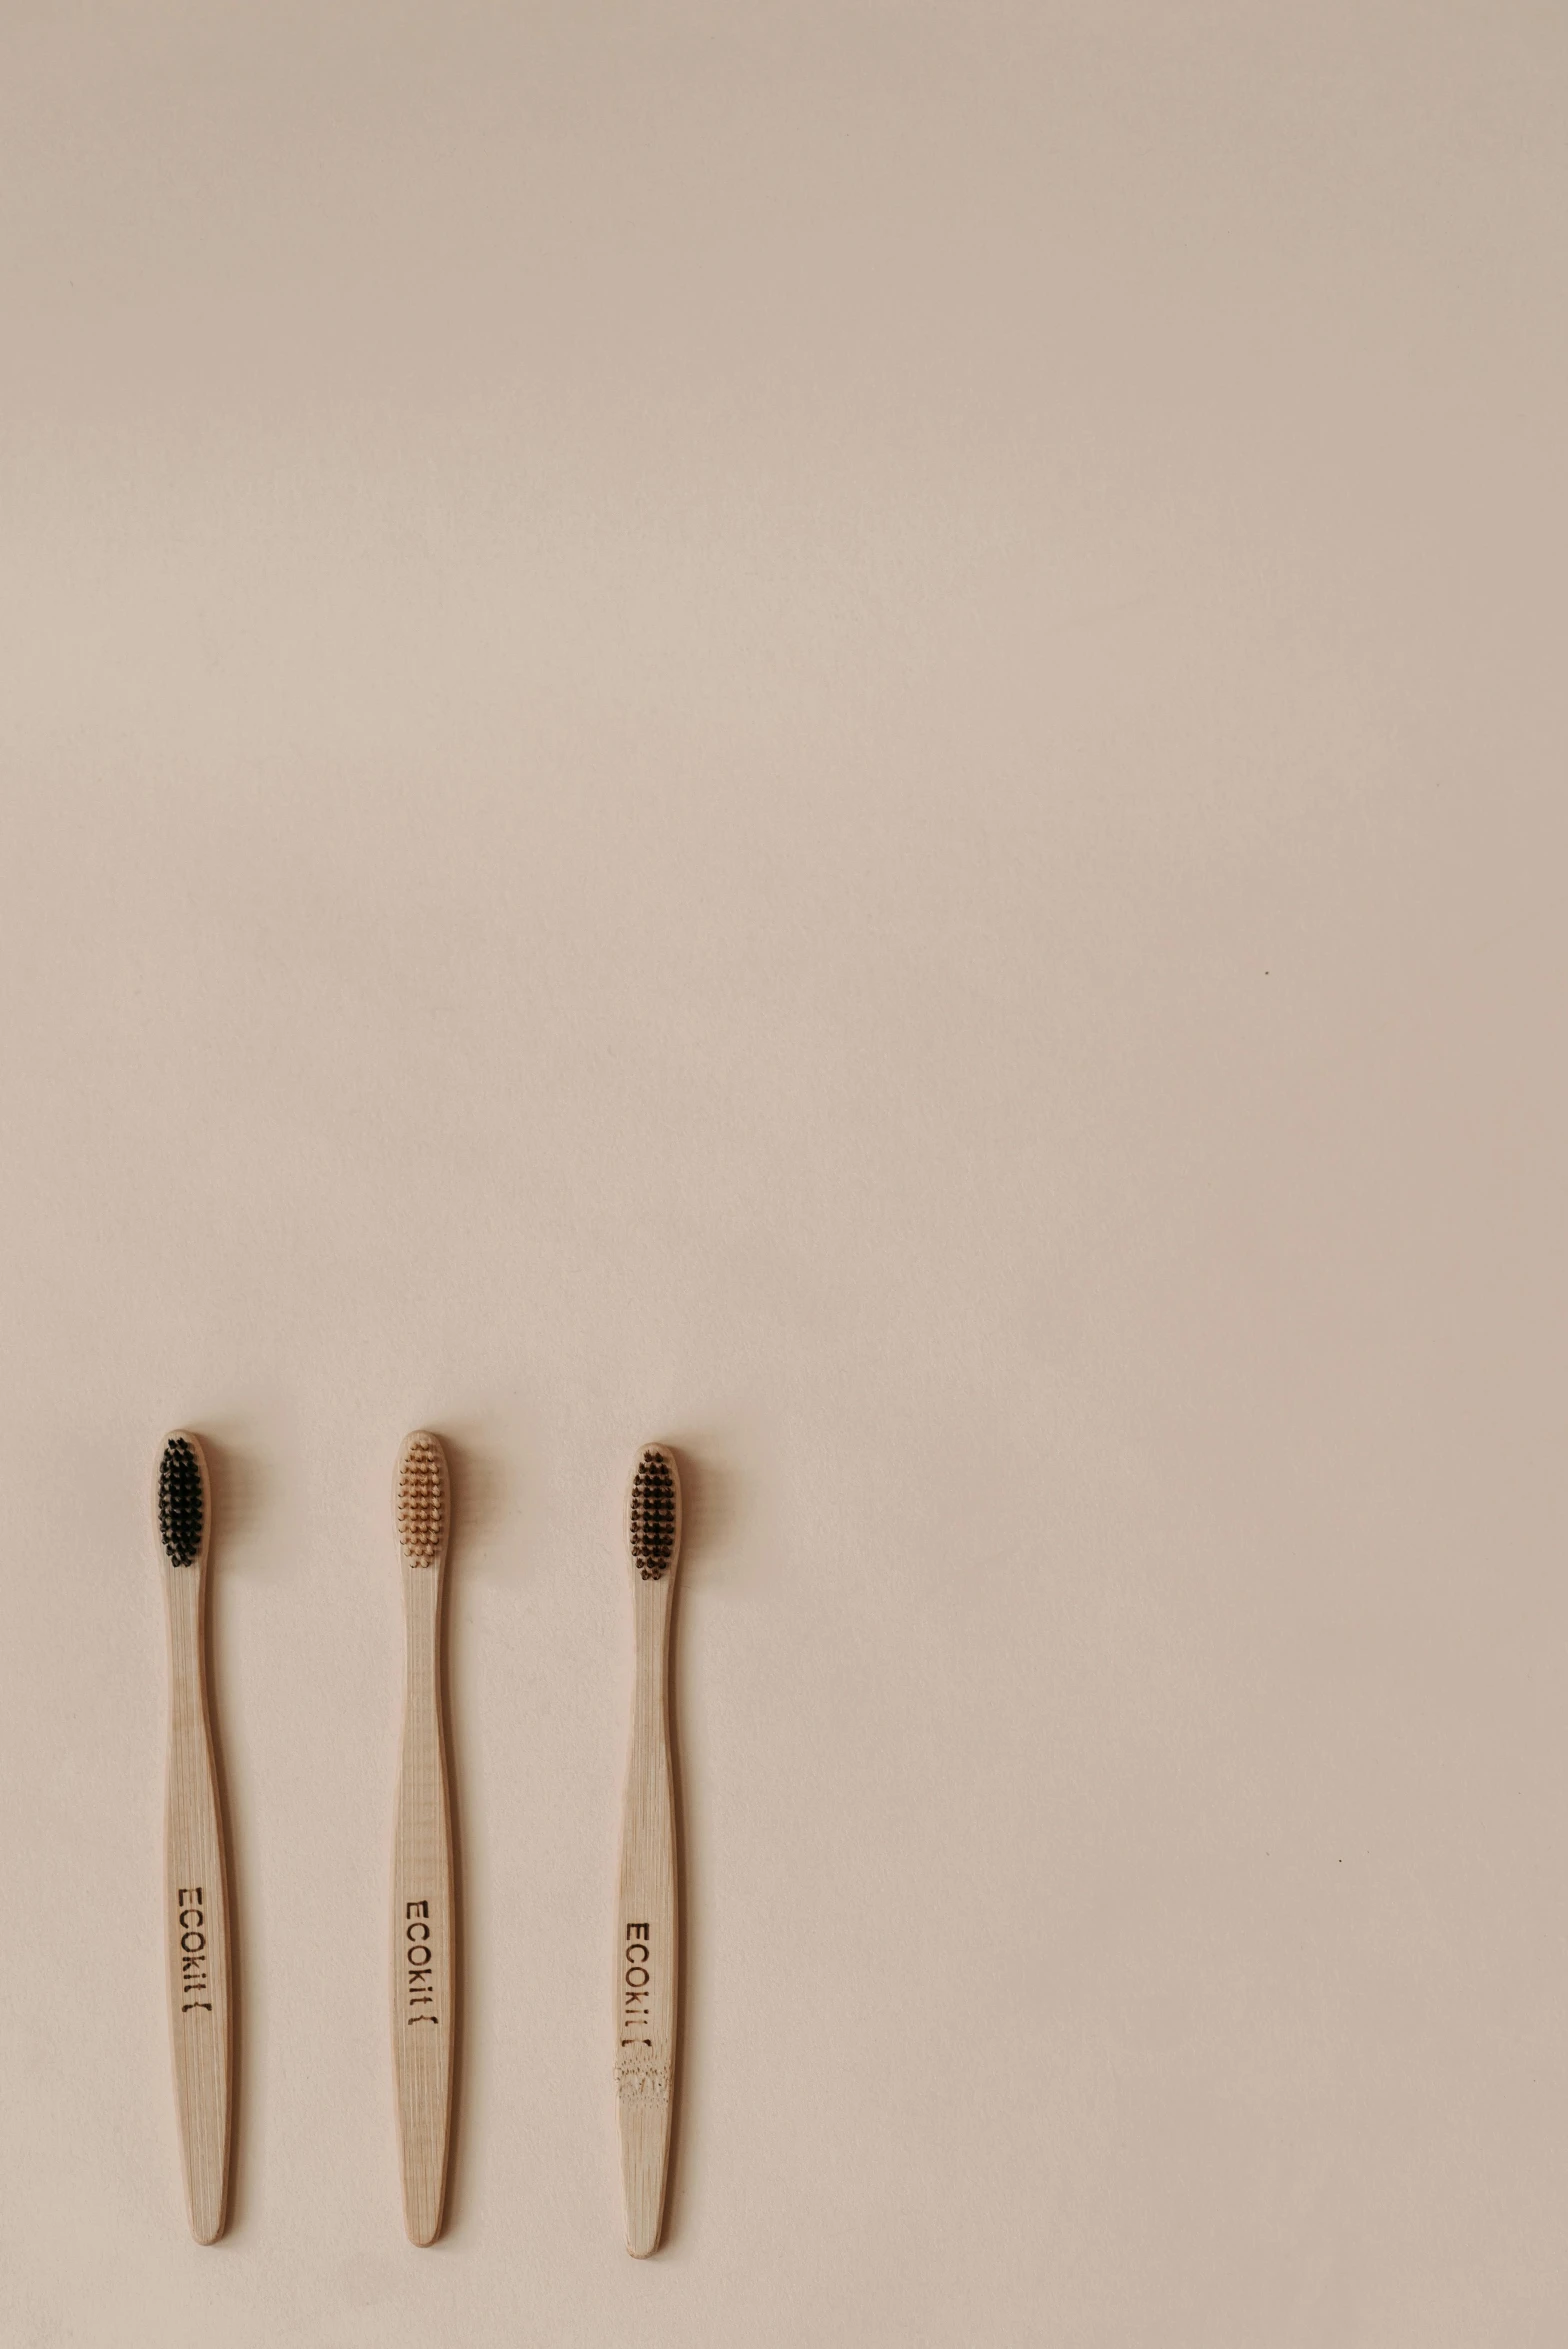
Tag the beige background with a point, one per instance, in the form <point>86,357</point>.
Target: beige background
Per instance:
<point>829,731</point>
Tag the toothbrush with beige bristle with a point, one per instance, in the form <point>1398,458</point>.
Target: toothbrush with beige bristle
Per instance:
<point>423,1925</point>
<point>646,1955</point>
<point>195,1872</point>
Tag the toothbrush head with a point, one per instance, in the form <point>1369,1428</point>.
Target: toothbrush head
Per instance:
<point>653,1513</point>
<point>182,1500</point>
<point>422,1509</point>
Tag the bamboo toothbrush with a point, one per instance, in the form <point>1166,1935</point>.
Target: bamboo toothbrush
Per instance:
<point>423,1924</point>
<point>195,1876</point>
<point>645,1955</point>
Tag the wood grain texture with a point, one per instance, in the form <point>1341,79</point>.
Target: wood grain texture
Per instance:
<point>424,1984</point>
<point>196,1899</point>
<point>647,1955</point>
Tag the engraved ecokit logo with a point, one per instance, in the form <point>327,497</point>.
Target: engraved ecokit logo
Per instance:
<point>421,1971</point>
<point>634,1983</point>
<point>194,1976</point>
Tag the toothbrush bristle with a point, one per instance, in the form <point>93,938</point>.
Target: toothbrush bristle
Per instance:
<point>653,1515</point>
<point>421,1501</point>
<point>181,1502</point>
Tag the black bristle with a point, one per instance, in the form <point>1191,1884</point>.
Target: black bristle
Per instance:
<point>180,1502</point>
<point>652,1516</point>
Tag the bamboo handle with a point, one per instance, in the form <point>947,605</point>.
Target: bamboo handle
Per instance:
<point>423,1983</point>
<point>196,1904</point>
<point>646,1953</point>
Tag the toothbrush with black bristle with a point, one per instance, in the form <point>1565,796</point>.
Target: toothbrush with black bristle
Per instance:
<point>424,1986</point>
<point>646,1953</point>
<point>195,1872</point>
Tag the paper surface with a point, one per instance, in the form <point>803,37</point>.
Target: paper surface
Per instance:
<point>834,735</point>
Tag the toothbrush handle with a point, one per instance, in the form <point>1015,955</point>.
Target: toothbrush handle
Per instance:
<point>423,1972</point>
<point>646,1957</point>
<point>197,1913</point>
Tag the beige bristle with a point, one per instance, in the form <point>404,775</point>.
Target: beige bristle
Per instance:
<point>421,1501</point>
